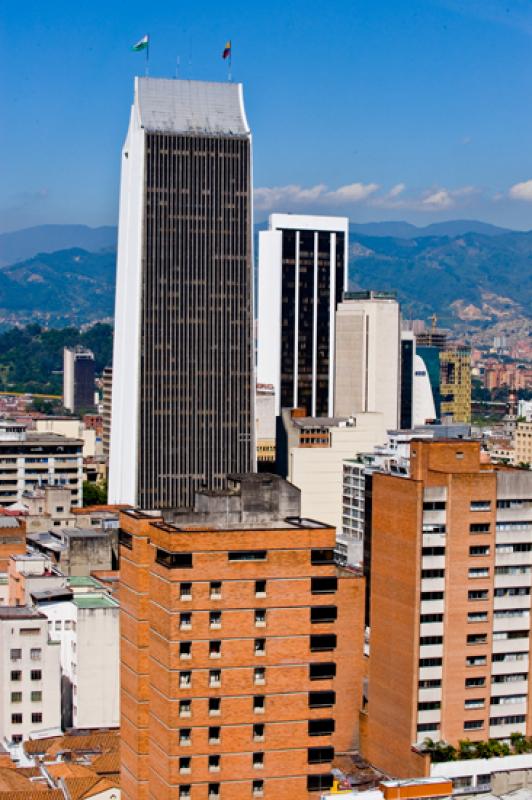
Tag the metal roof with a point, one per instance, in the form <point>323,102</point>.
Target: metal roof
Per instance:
<point>176,106</point>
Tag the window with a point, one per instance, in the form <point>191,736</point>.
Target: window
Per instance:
<point>16,738</point>
<point>260,647</point>
<point>259,703</point>
<point>216,590</point>
<point>431,596</point>
<point>215,706</point>
<point>430,662</point>
<point>185,680</point>
<point>16,654</point>
<point>16,719</point>
<point>215,677</point>
<point>258,760</point>
<point>321,557</point>
<point>35,675</point>
<point>259,675</point>
<point>36,697</point>
<point>258,732</point>
<point>510,678</point>
<point>215,648</point>
<point>479,527</point>
<point>470,682</point>
<point>321,699</point>
<point>214,763</point>
<point>185,708</point>
<point>215,619</point>
<point>247,555</point>
<point>429,683</point>
<point>425,618</point>
<point>320,614</point>
<point>16,697</point>
<point>479,572</point>
<point>184,792</point>
<point>214,735</point>
<point>509,699</point>
<point>477,702</point>
<point>16,675</point>
<point>428,726</point>
<point>477,638</point>
<point>476,661</point>
<point>477,616</point>
<point>477,594</point>
<point>320,727</point>
<point>512,719</point>
<point>473,724</point>
<point>434,505</point>
<point>322,670</point>
<point>433,551</point>
<point>260,588</point>
<point>321,642</point>
<point>479,550</point>
<point>431,705</point>
<point>480,505</point>
<point>173,560</point>
<point>323,585</point>
<point>260,617</point>
<point>35,653</point>
<point>125,539</point>
<point>317,783</point>
<point>184,764</point>
<point>185,591</point>
<point>185,620</point>
<point>185,649</point>
<point>433,573</point>
<point>214,791</point>
<point>428,640</point>
<point>184,737</point>
<point>58,624</point>
<point>513,591</point>
<point>258,788</point>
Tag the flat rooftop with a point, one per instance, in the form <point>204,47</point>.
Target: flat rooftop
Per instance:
<point>20,612</point>
<point>94,601</point>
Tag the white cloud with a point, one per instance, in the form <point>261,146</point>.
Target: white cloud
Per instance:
<point>396,190</point>
<point>269,198</point>
<point>441,198</point>
<point>521,191</point>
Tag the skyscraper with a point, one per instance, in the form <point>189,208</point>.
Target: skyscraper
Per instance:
<point>302,276</point>
<point>367,368</point>
<point>78,379</point>
<point>182,406</point>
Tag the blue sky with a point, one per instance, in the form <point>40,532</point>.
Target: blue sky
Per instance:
<point>379,109</point>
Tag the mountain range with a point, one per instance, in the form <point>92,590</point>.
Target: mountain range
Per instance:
<point>467,272</point>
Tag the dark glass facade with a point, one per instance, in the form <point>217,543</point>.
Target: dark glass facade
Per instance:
<point>306,307</point>
<point>196,409</point>
<point>407,382</point>
<point>83,383</point>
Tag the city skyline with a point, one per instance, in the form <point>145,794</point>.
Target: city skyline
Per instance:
<point>407,93</point>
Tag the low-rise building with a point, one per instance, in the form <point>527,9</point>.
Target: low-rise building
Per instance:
<point>30,703</point>
<point>29,459</point>
<point>78,551</point>
<point>523,443</point>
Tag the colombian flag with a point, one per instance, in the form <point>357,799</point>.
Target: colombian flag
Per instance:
<point>227,50</point>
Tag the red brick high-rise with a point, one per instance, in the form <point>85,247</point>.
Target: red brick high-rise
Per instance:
<point>241,648</point>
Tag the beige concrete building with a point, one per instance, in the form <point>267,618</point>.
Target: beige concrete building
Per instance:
<point>315,449</point>
<point>367,363</point>
<point>74,428</point>
<point>523,443</point>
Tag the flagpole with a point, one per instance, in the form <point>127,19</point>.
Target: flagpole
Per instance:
<point>148,57</point>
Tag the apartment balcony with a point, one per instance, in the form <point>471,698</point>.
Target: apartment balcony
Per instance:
<point>431,651</point>
<point>433,562</point>
<point>430,673</point>
<point>429,695</point>
<point>429,716</point>
<point>505,731</point>
<point>509,667</point>
<point>434,540</point>
<point>511,687</point>
<point>433,585</point>
<point>521,645</point>
<point>511,601</point>
<point>513,536</point>
<point>511,623</point>
<point>513,581</point>
<point>432,606</point>
<point>431,629</point>
<point>512,559</point>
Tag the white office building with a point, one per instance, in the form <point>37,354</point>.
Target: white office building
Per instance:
<point>303,273</point>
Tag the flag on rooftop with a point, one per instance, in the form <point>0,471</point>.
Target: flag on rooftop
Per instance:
<point>227,50</point>
<point>142,44</point>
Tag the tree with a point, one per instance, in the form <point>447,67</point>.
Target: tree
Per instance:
<point>94,494</point>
